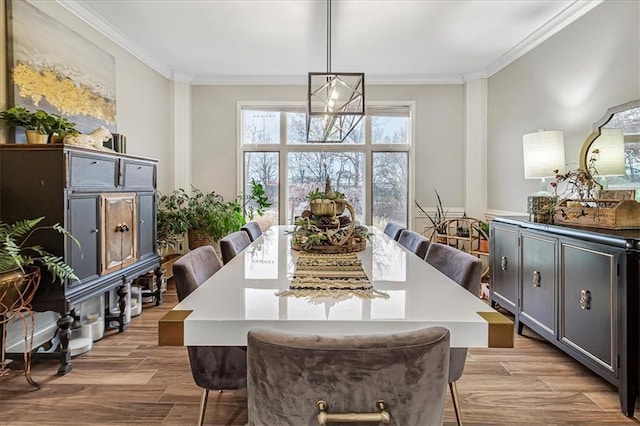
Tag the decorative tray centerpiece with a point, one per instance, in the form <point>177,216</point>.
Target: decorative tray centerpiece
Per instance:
<point>324,228</point>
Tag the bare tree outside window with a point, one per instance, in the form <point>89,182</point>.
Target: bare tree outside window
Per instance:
<point>370,167</point>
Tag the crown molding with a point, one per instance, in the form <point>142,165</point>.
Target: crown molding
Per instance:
<point>95,21</point>
<point>301,80</point>
<point>182,77</point>
<point>567,16</point>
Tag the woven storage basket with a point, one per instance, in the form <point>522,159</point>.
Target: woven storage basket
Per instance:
<point>199,239</point>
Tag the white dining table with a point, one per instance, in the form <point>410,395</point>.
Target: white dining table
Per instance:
<point>243,295</point>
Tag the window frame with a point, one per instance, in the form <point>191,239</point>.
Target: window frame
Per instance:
<point>367,148</point>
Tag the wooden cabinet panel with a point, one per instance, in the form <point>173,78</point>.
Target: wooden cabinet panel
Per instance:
<point>119,218</point>
<point>504,266</point>
<point>587,297</point>
<point>539,281</point>
<point>88,171</point>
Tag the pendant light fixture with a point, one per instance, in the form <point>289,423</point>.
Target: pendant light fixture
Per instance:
<point>335,101</point>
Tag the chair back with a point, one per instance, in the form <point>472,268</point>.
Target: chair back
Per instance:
<point>393,230</point>
<point>414,242</point>
<point>461,267</point>
<point>194,268</point>
<point>465,270</point>
<point>233,244</point>
<point>289,373</point>
<point>253,230</point>
<point>211,367</point>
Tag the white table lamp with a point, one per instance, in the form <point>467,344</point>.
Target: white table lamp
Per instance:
<point>543,154</point>
<point>610,159</point>
<point>543,157</point>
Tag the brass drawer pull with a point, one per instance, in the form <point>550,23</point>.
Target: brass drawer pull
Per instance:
<point>585,300</point>
<point>503,263</point>
<point>536,279</point>
<point>382,416</point>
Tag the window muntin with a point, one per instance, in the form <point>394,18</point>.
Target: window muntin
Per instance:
<point>384,130</point>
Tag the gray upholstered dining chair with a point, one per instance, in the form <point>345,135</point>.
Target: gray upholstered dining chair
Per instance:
<point>290,375</point>
<point>414,242</point>
<point>233,244</point>
<point>393,230</point>
<point>212,367</point>
<point>465,270</point>
<point>252,229</point>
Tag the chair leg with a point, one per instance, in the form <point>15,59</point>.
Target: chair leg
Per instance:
<point>456,402</point>
<point>203,406</point>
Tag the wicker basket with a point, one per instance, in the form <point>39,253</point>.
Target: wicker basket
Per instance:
<point>327,209</point>
<point>350,247</point>
<point>199,239</point>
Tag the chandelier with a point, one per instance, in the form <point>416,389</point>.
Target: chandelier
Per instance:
<point>335,101</point>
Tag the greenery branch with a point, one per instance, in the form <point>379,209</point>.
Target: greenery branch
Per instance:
<point>16,254</point>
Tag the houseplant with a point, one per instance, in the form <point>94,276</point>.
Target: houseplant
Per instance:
<point>439,217</point>
<point>59,127</point>
<point>36,124</point>
<point>20,262</point>
<point>205,216</point>
<point>39,126</point>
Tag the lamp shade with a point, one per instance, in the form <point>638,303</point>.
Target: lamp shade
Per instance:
<point>543,154</point>
<point>610,158</point>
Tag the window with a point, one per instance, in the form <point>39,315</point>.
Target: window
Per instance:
<point>371,167</point>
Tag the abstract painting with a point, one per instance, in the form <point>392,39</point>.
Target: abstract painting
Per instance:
<point>54,69</point>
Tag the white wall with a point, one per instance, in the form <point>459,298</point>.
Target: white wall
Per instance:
<point>142,98</point>
<point>567,83</point>
<point>439,135</point>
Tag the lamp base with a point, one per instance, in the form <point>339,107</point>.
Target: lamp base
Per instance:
<point>540,207</point>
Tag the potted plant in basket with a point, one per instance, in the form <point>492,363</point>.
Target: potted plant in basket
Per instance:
<point>205,216</point>
<point>20,263</point>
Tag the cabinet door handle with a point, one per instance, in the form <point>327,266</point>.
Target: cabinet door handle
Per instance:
<point>535,281</point>
<point>122,227</point>
<point>585,300</point>
<point>95,162</point>
<point>95,230</point>
<point>503,263</point>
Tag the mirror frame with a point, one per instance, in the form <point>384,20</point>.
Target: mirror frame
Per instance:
<point>597,126</point>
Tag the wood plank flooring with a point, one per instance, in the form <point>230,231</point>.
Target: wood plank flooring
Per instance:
<point>128,379</point>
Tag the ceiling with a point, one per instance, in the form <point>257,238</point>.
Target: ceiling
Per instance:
<point>279,42</point>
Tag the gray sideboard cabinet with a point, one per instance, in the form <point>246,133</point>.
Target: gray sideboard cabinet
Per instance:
<point>106,200</point>
<point>579,289</point>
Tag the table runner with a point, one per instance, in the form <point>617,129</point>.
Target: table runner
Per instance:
<point>330,275</point>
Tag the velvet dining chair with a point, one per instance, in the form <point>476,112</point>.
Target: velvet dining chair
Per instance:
<point>393,230</point>
<point>212,367</point>
<point>233,244</point>
<point>252,229</point>
<point>291,375</point>
<point>466,270</point>
<point>414,242</point>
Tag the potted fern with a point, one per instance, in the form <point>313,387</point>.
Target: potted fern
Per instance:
<point>20,263</point>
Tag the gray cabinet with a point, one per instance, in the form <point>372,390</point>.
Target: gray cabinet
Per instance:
<point>580,289</point>
<point>504,266</point>
<point>589,284</point>
<point>106,200</point>
<point>539,282</point>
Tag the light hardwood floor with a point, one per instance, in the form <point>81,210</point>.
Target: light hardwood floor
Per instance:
<point>128,379</point>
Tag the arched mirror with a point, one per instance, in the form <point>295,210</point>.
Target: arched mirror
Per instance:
<point>616,137</point>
